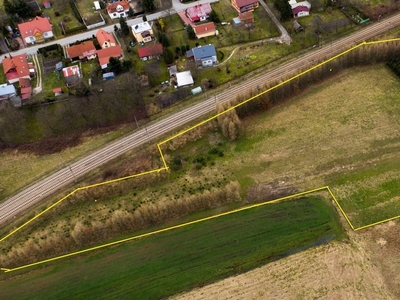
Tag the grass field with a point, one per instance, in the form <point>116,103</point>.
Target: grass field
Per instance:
<point>162,265</point>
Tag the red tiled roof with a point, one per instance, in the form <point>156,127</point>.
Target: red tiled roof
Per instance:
<point>204,28</point>
<point>112,8</point>
<point>104,54</point>
<point>16,66</point>
<point>38,24</point>
<point>198,11</point>
<point>104,36</point>
<point>71,71</point>
<point>57,90</point>
<point>150,50</point>
<point>84,49</point>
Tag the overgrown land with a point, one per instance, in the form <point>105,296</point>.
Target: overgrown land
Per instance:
<point>329,135</point>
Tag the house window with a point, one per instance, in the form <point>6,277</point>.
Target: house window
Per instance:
<point>114,14</point>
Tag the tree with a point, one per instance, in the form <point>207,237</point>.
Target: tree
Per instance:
<point>9,7</point>
<point>144,18</point>
<point>124,26</point>
<point>214,17</point>
<point>149,5</point>
<point>115,65</point>
<point>164,40</point>
<point>284,8</point>
<point>115,28</point>
<point>168,56</point>
<point>127,65</point>
<point>190,32</point>
<point>130,12</point>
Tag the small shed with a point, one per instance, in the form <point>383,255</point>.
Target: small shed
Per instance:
<point>97,5</point>
<point>184,78</point>
<point>297,27</point>
<point>46,4</point>
<point>57,91</point>
<point>108,76</point>
<point>59,66</point>
<point>196,90</point>
<point>236,21</point>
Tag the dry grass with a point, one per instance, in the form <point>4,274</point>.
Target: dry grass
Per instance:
<point>330,133</point>
<point>333,271</point>
<point>21,169</point>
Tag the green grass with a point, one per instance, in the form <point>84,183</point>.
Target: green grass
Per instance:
<point>162,265</point>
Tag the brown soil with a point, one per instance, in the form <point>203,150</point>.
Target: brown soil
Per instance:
<point>362,268</point>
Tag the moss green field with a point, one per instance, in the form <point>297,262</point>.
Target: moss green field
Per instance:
<point>162,265</point>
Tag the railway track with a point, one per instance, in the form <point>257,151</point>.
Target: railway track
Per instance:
<point>49,185</point>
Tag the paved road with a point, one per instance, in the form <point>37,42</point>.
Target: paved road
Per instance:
<point>52,183</point>
<point>177,6</point>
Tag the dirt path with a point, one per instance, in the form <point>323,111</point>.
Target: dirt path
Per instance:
<point>38,87</point>
<point>338,270</point>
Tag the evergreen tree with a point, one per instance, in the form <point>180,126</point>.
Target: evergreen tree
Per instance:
<point>115,65</point>
<point>130,12</point>
<point>284,8</point>
<point>149,5</point>
<point>124,26</point>
<point>9,7</point>
<point>190,32</point>
<point>164,40</point>
<point>168,56</point>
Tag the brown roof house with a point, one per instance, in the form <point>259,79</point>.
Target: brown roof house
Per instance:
<point>149,52</point>
<point>244,5</point>
<point>105,39</point>
<point>36,31</point>
<point>104,55</point>
<point>16,67</point>
<point>205,30</point>
<point>84,51</point>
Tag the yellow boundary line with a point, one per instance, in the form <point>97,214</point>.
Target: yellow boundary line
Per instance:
<point>165,168</point>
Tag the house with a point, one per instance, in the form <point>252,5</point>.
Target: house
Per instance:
<point>105,39</point>
<point>96,5</point>
<point>26,89</point>
<point>46,4</point>
<point>36,31</point>
<point>198,12</point>
<point>247,18</point>
<point>184,79</point>
<point>7,91</point>
<point>15,68</point>
<point>149,52</point>
<point>205,30</point>
<point>142,32</point>
<point>118,9</point>
<point>244,5</point>
<point>71,74</point>
<point>104,55</point>
<point>300,9</point>
<point>205,56</point>
<point>83,51</point>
